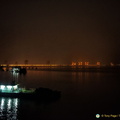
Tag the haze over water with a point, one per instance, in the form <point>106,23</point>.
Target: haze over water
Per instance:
<point>60,31</point>
<point>84,94</point>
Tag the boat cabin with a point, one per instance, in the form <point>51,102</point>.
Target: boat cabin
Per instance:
<point>9,88</point>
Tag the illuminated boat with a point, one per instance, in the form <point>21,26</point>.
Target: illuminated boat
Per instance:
<point>41,94</point>
<point>15,69</point>
<point>9,88</point>
<point>18,70</point>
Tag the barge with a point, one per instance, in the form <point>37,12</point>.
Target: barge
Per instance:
<point>40,94</point>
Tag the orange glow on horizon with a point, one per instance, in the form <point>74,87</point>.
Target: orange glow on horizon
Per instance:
<point>86,63</point>
<point>74,63</point>
<point>98,63</point>
<point>80,63</point>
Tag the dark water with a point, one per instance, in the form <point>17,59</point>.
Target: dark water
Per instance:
<point>84,94</point>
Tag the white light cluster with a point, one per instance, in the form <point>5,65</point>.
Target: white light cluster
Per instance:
<point>2,87</point>
<point>9,87</point>
<point>15,87</point>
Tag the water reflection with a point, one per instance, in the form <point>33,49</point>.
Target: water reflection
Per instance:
<point>8,108</point>
<point>15,76</point>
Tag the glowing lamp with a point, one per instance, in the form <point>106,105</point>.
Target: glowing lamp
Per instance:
<point>2,87</point>
<point>9,87</point>
<point>15,87</point>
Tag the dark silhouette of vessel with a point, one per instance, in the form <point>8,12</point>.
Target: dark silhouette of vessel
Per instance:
<point>40,94</point>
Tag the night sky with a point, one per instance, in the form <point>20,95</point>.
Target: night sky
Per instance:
<point>60,31</point>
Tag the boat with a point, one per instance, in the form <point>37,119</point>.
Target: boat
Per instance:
<point>41,94</point>
<point>18,69</point>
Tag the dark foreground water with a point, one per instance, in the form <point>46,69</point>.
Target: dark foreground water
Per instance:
<point>84,94</point>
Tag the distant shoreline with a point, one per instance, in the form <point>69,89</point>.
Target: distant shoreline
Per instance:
<point>75,69</point>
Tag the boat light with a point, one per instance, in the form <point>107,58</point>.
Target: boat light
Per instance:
<point>14,69</point>
<point>2,87</point>
<point>9,87</point>
<point>15,87</point>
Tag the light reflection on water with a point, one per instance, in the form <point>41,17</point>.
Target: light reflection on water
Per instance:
<point>83,94</point>
<point>9,108</point>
